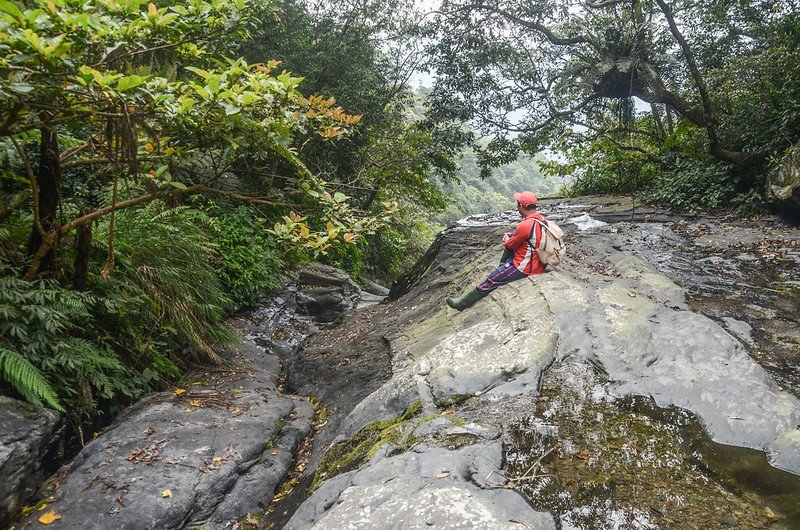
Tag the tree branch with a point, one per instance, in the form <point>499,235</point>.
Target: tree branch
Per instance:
<point>37,220</point>
<point>536,26</point>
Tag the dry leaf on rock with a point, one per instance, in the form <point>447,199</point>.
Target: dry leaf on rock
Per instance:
<point>166,493</point>
<point>49,517</point>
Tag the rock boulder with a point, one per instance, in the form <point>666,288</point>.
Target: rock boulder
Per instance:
<point>783,183</point>
<point>27,436</point>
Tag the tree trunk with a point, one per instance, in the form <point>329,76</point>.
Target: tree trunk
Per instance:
<point>656,110</point>
<point>670,124</point>
<point>83,248</point>
<point>48,180</point>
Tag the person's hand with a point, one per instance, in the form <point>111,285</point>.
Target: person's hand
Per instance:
<point>506,237</point>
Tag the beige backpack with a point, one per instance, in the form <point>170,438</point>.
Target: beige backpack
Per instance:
<point>551,249</point>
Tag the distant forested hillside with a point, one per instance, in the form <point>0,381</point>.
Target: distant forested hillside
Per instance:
<point>473,194</point>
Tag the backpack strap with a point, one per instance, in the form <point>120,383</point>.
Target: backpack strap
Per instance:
<point>532,236</point>
<point>543,240</point>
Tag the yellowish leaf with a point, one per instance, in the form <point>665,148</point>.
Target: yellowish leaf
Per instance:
<point>217,459</point>
<point>148,147</point>
<point>195,403</point>
<point>49,517</point>
<point>179,391</point>
<point>166,493</point>
<point>151,9</point>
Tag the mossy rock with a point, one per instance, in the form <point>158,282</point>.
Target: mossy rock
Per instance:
<point>356,451</point>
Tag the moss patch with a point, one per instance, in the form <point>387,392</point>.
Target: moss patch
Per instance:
<point>356,451</point>
<point>589,461</point>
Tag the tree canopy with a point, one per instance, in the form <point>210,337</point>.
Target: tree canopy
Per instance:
<point>552,73</point>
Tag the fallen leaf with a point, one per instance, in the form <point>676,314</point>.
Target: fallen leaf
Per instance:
<point>274,453</point>
<point>216,459</point>
<point>236,410</point>
<point>769,513</point>
<point>179,391</point>
<point>49,517</point>
<point>582,455</point>
<point>166,493</point>
<point>251,519</point>
<point>659,484</point>
<point>195,403</point>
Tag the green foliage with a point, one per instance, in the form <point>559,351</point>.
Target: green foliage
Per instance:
<point>26,379</point>
<point>349,258</point>
<point>54,351</point>
<point>167,261</point>
<point>692,186</point>
<point>251,263</point>
<point>143,100</point>
<point>541,75</point>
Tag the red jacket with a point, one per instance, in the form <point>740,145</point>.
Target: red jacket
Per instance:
<point>525,237</point>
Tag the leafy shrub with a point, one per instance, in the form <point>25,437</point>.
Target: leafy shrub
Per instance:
<point>692,185</point>
<point>52,349</point>
<point>348,257</point>
<point>166,278</point>
<point>251,264</point>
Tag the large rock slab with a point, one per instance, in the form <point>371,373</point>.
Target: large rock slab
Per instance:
<point>422,488</point>
<point>205,454</point>
<point>634,323</point>
<point>27,437</point>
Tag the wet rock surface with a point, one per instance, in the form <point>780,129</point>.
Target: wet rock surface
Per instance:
<point>214,450</point>
<point>683,378</point>
<point>28,438</point>
<point>425,487</point>
<point>204,454</point>
<point>325,292</point>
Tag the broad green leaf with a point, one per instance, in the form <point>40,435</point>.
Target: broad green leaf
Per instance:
<point>231,109</point>
<point>129,82</point>
<point>12,9</point>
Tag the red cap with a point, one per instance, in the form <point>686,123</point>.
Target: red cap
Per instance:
<point>526,198</point>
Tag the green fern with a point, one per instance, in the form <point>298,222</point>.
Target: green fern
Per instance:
<point>26,379</point>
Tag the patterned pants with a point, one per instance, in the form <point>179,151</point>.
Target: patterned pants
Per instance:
<point>505,273</point>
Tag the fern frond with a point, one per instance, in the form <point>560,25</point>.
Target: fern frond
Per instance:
<point>26,379</point>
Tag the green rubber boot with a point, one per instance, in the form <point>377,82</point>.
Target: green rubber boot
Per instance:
<point>466,300</point>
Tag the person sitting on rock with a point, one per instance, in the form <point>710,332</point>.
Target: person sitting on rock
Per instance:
<point>519,245</point>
